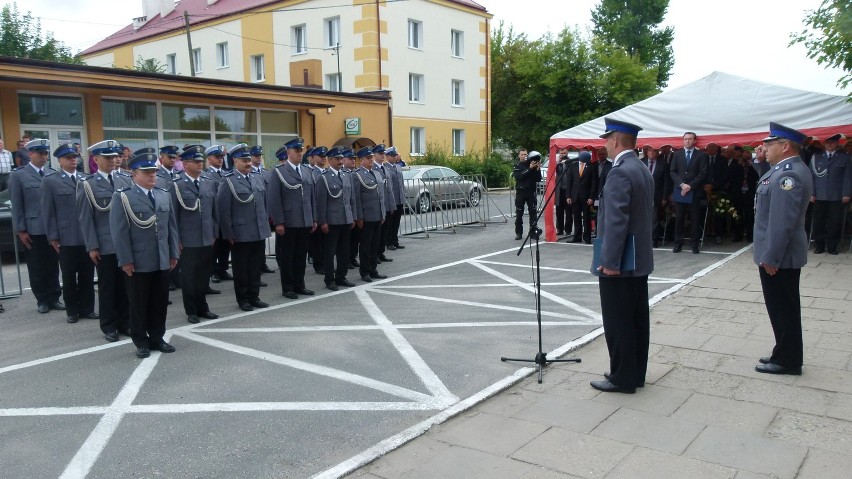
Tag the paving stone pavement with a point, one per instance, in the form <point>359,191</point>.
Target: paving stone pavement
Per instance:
<point>704,412</point>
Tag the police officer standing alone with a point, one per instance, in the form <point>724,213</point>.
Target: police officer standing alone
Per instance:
<point>832,177</point>
<point>62,226</point>
<point>145,234</point>
<point>527,174</point>
<point>781,245</point>
<point>626,259</point>
<point>335,217</point>
<point>25,185</point>
<point>241,212</point>
<point>94,201</point>
<point>193,197</point>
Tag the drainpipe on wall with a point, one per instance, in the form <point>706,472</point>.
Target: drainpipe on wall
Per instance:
<point>314,129</point>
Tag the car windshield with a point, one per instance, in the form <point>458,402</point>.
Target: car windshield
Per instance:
<point>409,174</point>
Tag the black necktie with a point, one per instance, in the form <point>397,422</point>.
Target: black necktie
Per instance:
<point>111,183</point>
<point>151,197</point>
<point>196,184</point>
<point>298,172</point>
<point>40,172</point>
<point>688,157</point>
<point>74,179</point>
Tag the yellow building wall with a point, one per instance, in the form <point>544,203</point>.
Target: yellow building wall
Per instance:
<point>11,119</point>
<point>123,57</point>
<point>366,30</point>
<point>257,40</point>
<point>440,133</point>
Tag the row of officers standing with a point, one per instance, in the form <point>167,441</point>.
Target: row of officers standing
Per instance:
<point>139,226</point>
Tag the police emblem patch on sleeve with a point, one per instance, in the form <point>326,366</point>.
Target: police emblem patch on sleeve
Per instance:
<point>786,183</point>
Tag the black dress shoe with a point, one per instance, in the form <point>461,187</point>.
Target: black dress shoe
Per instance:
<point>290,295</point>
<point>266,269</point>
<point>377,276</point>
<point>303,291</point>
<point>262,284</point>
<point>609,387</point>
<point>259,304</point>
<point>574,240</point>
<point>163,347</point>
<point>332,286</point>
<point>366,278</point>
<point>212,291</point>
<point>772,368</point>
<point>192,319</point>
<point>606,375</point>
<point>172,287</point>
<point>695,250</point>
<point>71,319</point>
<point>246,307</point>
<point>215,279</point>
<point>226,276</point>
<point>832,251</point>
<point>398,246</point>
<point>320,271</point>
<point>90,316</point>
<point>111,336</point>
<point>819,250</point>
<point>208,315</point>
<point>344,282</point>
<point>355,263</point>
<point>517,237</point>
<point>351,266</point>
<point>43,308</point>
<point>656,244</point>
<point>677,248</point>
<point>169,302</point>
<point>57,305</point>
<point>142,352</point>
<point>391,247</point>
<point>765,360</point>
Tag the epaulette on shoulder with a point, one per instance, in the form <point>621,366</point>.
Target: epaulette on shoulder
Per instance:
<point>175,179</point>
<point>161,189</point>
<point>50,173</point>
<point>123,189</point>
<point>119,172</point>
<point>204,176</point>
<point>230,173</point>
<point>788,166</point>
<point>18,168</point>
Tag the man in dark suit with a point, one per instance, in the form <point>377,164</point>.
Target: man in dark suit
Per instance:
<point>563,209</point>
<point>624,220</point>
<point>716,183</point>
<point>660,174</point>
<point>582,191</point>
<point>781,245</point>
<point>688,170</point>
<point>741,186</point>
<point>25,185</point>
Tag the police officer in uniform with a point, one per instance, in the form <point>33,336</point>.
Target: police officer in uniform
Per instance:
<point>291,207</point>
<point>94,201</point>
<point>349,166</point>
<point>385,176</point>
<point>369,214</point>
<point>398,183</point>
<point>62,226</point>
<point>624,227</point>
<point>144,231</point>
<point>25,193</point>
<point>832,177</point>
<point>316,240</point>
<point>527,174</point>
<point>781,244</point>
<point>335,217</point>
<point>166,175</point>
<point>193,198</point>
<point>241,211</point>
<point>221,246</point>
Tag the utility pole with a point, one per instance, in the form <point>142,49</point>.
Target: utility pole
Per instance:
<point>189,43</point>
<point>339,78</point>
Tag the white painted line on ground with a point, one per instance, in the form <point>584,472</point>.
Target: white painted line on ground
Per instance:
<point>579,319</point>
<point>89,452</point>
<point>58,357</point>
<point>53,411</point>
<point>660,296</point>
<point>300,329</point>
<point>549,268</point>
<point>569,304</point>
<point>311,368</point>
<point>431,380</point>
<point>282,406</point>
<point>403,437</point>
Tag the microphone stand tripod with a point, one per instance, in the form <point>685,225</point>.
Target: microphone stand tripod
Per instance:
<point>535,233</point>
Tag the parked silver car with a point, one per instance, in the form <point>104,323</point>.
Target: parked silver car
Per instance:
<point>427,186</point>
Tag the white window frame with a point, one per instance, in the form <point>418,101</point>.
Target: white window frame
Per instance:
<point>458,142</point>
<point>258,68</point>
<point>333,82</point>
<point>171,64</point>
<point>457,43</point>
<point>418,141</point>
<point>457,93</point>
<point>331,32</point>
<point>415,34</point>
<point>299,43</point>
<point>196,60</point>
<point>416,88</point>
<point>222,56</point>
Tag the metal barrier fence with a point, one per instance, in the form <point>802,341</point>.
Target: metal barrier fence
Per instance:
<point>10,272</point>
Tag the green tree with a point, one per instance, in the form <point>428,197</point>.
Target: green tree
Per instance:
<point>828,37</point>
<point>150,65</point>
<point>633,25</point>
<point>21,37</point>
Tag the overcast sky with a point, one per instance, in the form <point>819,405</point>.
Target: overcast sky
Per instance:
<point>743,37</point>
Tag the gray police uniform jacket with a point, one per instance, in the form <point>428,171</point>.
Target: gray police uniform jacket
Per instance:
<point>196,220</point>
<point>94,201</point>
<point>59,209</point>
<point>626,209</point>
<point>782,198</point>
<point>25,195</point>
<point>369,196</point>
<point>241,208</point>
<point>148,248</point>
<point>165,180</point>
<point>387,186</point>
<point>335,201</point>
<point>832,177</point>
<point>290,200</point>
<point>122,180</point>
<point>394,173</point>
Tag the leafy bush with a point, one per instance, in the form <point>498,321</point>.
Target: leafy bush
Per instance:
<point>496,170</point>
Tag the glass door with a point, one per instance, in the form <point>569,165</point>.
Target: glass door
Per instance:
<point>58,136</point>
